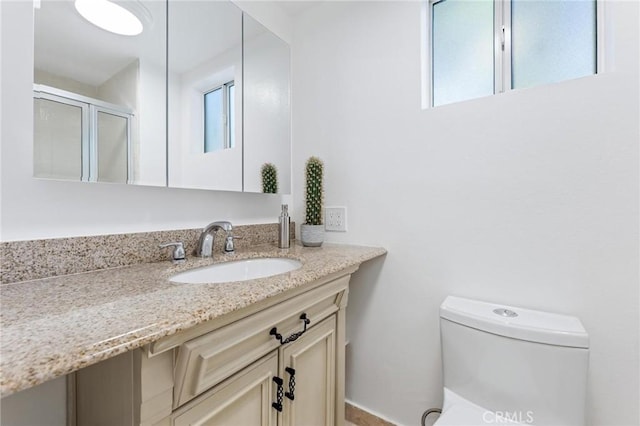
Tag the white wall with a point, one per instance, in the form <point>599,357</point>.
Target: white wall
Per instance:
<point>528,198</point>
<point>64,83</point>
<point>41,209</point>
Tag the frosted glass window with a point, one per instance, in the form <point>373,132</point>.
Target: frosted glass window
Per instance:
<point>462,50</point>
<point>213,120</point>
<point>112,148</point>
<point>482,47</point>
<point>552,41</point>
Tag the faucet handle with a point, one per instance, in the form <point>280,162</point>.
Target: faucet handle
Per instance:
<point>229,246</point>
<point>178,255</point>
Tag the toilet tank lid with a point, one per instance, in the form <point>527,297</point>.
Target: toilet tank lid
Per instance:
<point>527,324</point>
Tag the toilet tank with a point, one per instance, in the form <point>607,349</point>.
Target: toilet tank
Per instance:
<point>528,366</point>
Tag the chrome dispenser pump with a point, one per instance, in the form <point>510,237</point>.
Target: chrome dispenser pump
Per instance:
<point>284,225</point>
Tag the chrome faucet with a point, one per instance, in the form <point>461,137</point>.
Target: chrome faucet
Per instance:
<point>205,245</point>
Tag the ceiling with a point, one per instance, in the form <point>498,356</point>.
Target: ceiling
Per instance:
<point>294,8</point>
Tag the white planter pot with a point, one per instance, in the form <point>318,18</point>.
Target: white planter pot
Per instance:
<point>312,235</point>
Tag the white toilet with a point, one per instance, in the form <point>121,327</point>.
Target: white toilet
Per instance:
<point>506,365</point>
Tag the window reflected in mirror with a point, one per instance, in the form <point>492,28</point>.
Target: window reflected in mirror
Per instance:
<point>219,118</point>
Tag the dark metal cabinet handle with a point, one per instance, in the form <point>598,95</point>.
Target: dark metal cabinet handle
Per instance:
<point>278,404</point>
<point>294,336</point>
<point>292,383</point>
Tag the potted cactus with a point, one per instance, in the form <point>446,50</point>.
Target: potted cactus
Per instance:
<point>269,178</point>
<point>312,231</point>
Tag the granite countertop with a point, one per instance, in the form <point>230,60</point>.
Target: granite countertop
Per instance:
<point>54,326</point>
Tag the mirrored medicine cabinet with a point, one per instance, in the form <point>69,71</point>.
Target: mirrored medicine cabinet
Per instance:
<point>199,99</point>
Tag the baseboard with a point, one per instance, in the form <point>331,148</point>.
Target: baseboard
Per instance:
<point>361,417</point>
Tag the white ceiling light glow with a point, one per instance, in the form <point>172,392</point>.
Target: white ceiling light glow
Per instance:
<point>110,16</point>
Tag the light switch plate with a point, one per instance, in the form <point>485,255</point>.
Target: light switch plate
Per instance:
<point>335,219</point>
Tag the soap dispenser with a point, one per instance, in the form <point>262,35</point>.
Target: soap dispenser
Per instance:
<point>283,234</point>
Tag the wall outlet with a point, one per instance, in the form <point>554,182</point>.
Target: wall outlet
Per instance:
<point>335,219</point>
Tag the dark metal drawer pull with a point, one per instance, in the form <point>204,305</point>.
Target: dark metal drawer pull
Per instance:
<point>294,336</point>
<point>292,383</point>
<point>278,404</point>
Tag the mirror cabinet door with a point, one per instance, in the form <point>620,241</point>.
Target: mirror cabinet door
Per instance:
<point>267,112</point>
<point>205,92</point>
<point>99,97</point>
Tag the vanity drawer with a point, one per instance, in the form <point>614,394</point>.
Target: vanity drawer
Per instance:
<point>205,361</point>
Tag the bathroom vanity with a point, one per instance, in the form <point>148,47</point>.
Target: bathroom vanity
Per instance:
<point>146,351</point>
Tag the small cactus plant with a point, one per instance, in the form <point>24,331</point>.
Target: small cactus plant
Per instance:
<point>314,193</point>
<point>269,178</point>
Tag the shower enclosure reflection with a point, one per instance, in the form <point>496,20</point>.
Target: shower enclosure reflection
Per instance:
<point>77,137</point>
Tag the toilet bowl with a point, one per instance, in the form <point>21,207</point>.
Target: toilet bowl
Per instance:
<point>462,412</point>
<point>507,365</point>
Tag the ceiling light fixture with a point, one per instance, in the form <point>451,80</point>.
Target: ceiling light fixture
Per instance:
<point>111,16</point>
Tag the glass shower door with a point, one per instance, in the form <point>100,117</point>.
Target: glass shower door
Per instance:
<point>60,131</point>
<point>81,138</point>
<point>112,147</point>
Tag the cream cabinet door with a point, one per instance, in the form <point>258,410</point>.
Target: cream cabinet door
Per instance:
<point>242,400</point>
<point>313,360</point>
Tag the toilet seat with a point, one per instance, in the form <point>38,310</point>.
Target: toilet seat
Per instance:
<point>458,411</point>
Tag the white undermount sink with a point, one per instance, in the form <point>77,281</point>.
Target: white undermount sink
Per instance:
<point>240,270</point>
